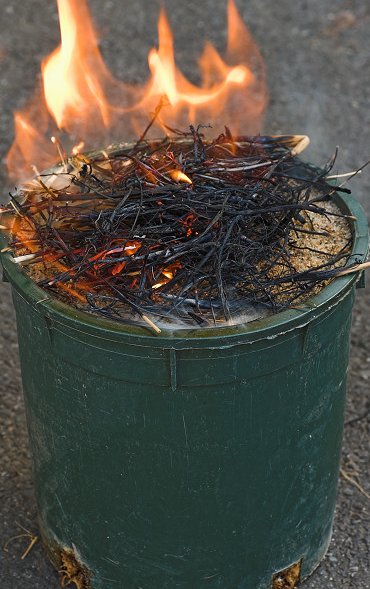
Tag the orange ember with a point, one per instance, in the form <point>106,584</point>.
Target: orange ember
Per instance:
<point>167,274</point>
<point>81,99</point>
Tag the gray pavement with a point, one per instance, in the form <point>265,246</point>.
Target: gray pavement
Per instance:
<point>318,61</point>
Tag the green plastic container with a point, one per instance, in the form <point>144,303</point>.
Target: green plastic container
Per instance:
<point>195,459</point>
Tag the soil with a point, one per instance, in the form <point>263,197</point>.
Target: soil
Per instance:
<point>316,54</point>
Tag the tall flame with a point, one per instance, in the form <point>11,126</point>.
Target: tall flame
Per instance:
<point>74,73</point>
<point>87,104</point>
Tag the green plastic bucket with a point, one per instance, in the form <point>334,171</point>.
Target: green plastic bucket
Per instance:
<point>195,459</point>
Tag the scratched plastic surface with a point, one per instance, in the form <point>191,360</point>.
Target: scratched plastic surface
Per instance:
<point>205,460</point>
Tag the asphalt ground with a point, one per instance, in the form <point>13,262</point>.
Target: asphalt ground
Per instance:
<point>317,57</point>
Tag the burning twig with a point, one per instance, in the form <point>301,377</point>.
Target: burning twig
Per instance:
<point>163,102</point>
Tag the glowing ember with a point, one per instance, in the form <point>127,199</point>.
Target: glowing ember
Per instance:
<point>83,100</point>
<point>167,274</point>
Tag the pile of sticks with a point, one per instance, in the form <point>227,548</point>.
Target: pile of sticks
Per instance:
<point>181,229</point>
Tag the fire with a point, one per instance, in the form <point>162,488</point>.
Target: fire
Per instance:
<point>167,274</point>
<point>179,176</point>
<point>167,80</point>
<point>74,73</point>
<point>82,100</point>
<point>128,249</point>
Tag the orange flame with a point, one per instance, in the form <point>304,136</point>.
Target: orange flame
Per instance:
<point>179,176</point>
<point>74,74</point>
<point>167,80</point>
<point>167,275</point>
<point>84,101</point>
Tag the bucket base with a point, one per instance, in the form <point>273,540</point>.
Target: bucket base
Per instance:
<point>68,563</point>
